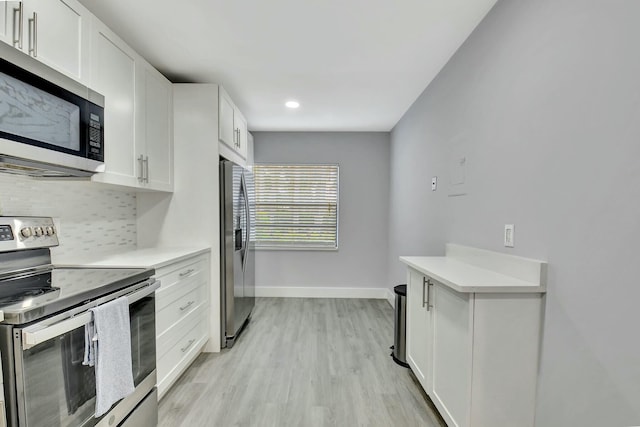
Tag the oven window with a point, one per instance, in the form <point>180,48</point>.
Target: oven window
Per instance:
<point>32,113</point>
<point>59,391</point>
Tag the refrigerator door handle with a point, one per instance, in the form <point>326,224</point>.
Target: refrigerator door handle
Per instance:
<point>248,220</point>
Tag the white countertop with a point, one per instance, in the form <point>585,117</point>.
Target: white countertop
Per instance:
<point>464,277</point>
<point>150,257</point>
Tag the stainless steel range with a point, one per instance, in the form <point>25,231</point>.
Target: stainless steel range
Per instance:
<point>42,337</point>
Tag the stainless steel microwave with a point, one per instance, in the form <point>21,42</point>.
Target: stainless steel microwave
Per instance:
<point>50,125</point>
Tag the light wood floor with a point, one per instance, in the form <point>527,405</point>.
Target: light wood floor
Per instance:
<point>303,362</point>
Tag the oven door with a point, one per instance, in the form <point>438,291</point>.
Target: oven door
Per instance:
<point>54,388</point>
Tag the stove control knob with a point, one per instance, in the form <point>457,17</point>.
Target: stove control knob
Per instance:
<point>48,231</point>
<point>26,232</point>
<point>37,231</point>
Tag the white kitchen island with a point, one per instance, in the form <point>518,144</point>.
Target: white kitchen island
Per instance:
<point>474,319</point>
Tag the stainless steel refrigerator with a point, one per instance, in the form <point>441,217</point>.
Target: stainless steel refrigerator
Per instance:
<point>237,250</point>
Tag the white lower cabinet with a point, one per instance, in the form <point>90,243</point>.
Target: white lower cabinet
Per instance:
<point>418,328</point>
<point>475,354</point>
<point>182,307</point>
<point>452,340</point>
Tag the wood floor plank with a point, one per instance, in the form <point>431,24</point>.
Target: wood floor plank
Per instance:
<point>303,362</point>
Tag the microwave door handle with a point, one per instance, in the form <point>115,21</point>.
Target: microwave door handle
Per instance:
<point>41,332</point>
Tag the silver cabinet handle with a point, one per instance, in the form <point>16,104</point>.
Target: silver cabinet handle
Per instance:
<point>186,347</point>
<point>429,285</point>
<point>17,40</point>
<point>426,283</point>
<point>141,164</point>
<point>33,35</point>
<point>187,305</point>
<point>186,273</point>
<point>146,169</point>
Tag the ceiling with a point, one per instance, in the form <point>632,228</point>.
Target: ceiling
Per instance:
<point>354,65</point>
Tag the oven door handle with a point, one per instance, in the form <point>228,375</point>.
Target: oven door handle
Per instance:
<point>41,332</point>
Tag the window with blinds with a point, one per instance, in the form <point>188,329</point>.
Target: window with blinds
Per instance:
<point>296,206</point>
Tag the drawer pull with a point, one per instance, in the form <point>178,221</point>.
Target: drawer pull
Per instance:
<point>186,273</point>
<point>187,305</point>
<point>185,348</point>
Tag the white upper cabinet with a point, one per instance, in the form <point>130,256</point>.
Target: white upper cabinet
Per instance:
<point>226,129</point>
<point>232,126</point>
<point>138,115</point>
<point>9,31</point>
<point>138,133</point>
<point>240,124</point>
<point>114,76</point>
<point>158,130</point>
<point>55,32</point>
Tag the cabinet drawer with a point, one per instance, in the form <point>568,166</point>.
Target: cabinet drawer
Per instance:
<point>175,332</point>
<point>175,357</point>
<point>166,296</point>
<point>170,312</point>
<point>174,273</point>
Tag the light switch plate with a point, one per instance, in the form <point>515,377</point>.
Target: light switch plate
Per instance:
<point>434,183</point>
<point>509,237</point>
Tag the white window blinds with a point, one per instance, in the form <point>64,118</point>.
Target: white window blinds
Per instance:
<point>296,206</point>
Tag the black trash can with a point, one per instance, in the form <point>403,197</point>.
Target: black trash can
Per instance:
<point>399,346</point>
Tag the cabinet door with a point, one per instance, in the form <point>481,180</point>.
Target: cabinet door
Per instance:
<point>9,25</point>
<point>158,136</point>
<point>418,327</point>
<point>114,76</point>
<point>450,385</point>
<point>226,129</point>
<point>57,33</point>
<point>240,124</point>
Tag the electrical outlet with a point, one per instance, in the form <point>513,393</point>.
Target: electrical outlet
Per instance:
<point>509,235</point>
<point>434,183</point>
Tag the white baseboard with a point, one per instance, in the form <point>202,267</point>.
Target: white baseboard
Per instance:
<point>317,292</point>
<point>391,297</point>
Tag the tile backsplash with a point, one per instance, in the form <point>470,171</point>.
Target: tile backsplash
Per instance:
<point>90,218</point>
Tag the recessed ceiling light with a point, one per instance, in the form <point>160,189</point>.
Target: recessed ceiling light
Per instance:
<point>292,104</point>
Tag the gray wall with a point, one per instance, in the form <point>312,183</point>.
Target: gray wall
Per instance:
<point>360,261</point>
<point>544,101</point>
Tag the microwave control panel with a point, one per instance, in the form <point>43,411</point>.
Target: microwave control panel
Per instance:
<point>96,150</point>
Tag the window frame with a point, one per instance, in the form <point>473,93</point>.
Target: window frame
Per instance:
<point>293,246</point>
